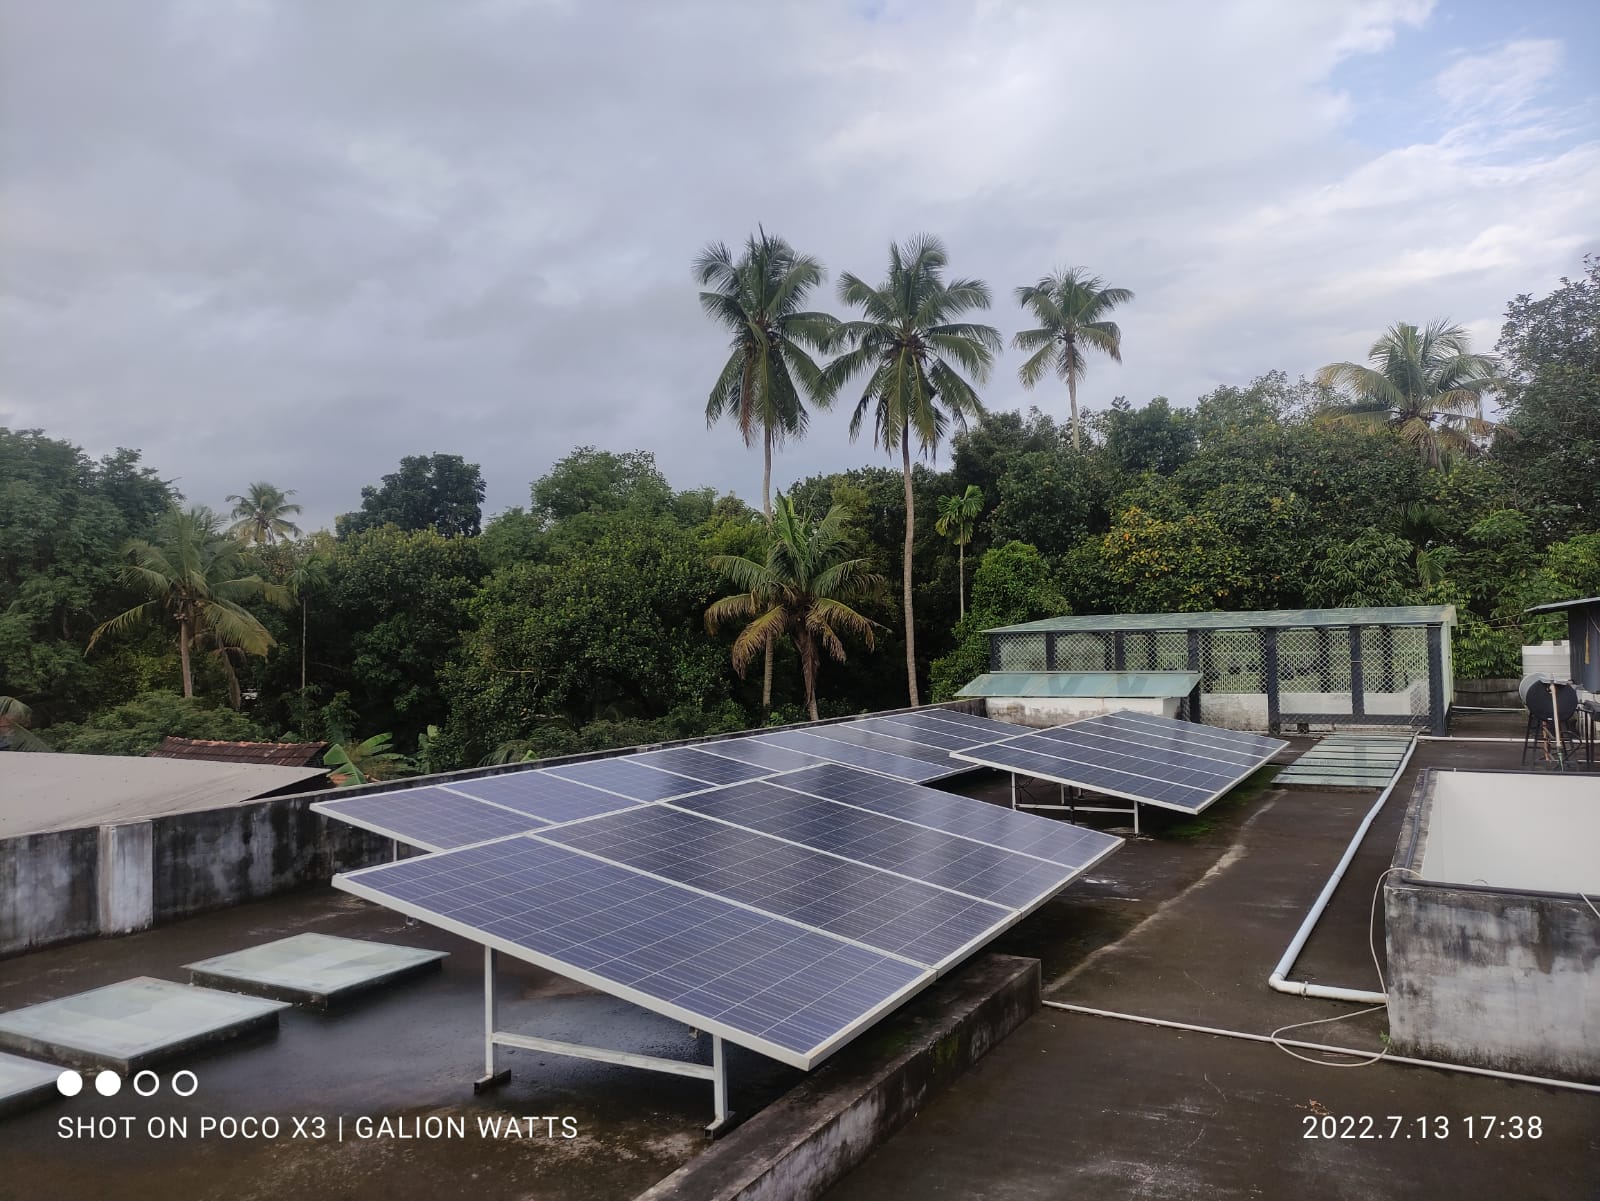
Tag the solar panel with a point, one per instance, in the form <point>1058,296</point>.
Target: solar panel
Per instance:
<point>697,765</point>
<point>1173,764</point>
<point>857,734</point>
<point>433,818</point>
<point>761,754</point>
<point>883,911</point>
<point>542,795</point>
<point>1024,833</point>
<point>919,852</point>
<point>834,751</point>
<point>967,721</point>
<point>931,733</point>
<point>628,778</point>
<point>780,988</point>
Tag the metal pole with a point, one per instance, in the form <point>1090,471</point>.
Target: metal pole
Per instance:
<point>719,1081</point>
<point>491,1076</point>
<point>1013,790</point>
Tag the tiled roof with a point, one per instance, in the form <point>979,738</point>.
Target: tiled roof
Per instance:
<point>279,754</point>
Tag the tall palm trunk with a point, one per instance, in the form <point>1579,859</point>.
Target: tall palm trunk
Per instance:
<point>766,508</point>
<point>183,655</point>
<point>302,648</point>
<point>911,633</point>
<point>961,581</point>
<point>1072,394</point>
<point>808,668</point>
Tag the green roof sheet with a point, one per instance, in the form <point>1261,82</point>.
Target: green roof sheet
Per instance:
<point>1123,684</point>
<point>1091,623</point>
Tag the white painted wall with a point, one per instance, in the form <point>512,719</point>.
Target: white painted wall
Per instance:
<point>1515,831</point>
<point>1042,712</point>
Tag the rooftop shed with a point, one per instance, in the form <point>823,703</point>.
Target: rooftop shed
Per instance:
<point>1275,669</point>
<point>1583,639</point>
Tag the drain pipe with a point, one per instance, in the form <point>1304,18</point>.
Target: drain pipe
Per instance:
<point>1349,1052</point>
<point>1279,980</point>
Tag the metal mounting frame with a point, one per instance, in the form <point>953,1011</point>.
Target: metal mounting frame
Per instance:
<point>1067,803</point>
<point>493,1075</point>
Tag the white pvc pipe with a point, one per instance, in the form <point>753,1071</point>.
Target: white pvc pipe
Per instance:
<point>1279,980</point>
<point>1323,1047</point>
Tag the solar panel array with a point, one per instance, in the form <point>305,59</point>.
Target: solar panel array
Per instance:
<point>1137,756</point>
<point>784,914</point>
<point>912,747</point>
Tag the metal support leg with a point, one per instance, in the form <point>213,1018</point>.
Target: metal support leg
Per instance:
<point>1136,817</point>
<point>491,1077</point>
<point>1013,790</point>
<point>719,1087</point>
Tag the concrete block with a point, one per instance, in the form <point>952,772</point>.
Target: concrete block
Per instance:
<point>318,970</point>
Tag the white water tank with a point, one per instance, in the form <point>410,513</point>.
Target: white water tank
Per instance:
<point>1553,659</point>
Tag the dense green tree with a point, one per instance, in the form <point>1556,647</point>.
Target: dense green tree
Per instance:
<point>196,577</point>
<point>1013,583</point>
<point>805,588</point>
<point>1425,384</point>
<point>1072,308</point>
<point>590,481</point>
<point>262,515</point>
<point>1047,500</point>
<point>438,492</point>
<point>610,629</point>
<point>1155,438</point>
<point>984,451</point>
<point>137,727</point>
<point>1373,568</point>
<point>1550,442</point>
<point>391,613</point>
<point>62,518</point>
<point>913,351</point>
<point>958,521</point>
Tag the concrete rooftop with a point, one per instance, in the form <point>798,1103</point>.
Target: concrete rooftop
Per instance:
<point>49,791</point>
<point>1184,923</point>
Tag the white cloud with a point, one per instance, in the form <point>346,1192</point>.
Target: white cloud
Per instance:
<point>297,242</point>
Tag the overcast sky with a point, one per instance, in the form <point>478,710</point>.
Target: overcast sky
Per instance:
<point>295,241</point>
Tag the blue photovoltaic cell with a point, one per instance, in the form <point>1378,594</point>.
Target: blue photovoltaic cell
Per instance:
<point>1025,833</point>
<point>697,765</point>
<point>829,750</point>
<point>1087,748</point>
<point>797,990</point>
<point>430,818</point>
<point>933,733</point>
<point>1148,745</point>
<point>629,779</point>
<point>1044,766</point>
<point>857,734</point>
<point>1177,764</point>
<point>542,795</point>
<point>761,754</point>
<point>904,917</point>
<point>986,728</point>
<point>1203,739</point>
<point>976,869</point>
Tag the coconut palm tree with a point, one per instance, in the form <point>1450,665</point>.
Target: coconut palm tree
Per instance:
<point>195,575</point>
<point>1071,308</point>
<point>309,575</point>
<point>806,588</point>
<point>913,351</point>
<point>1425,384</point>
<point>263,514</point>
<point>770,374</point>
<point>958,520</point>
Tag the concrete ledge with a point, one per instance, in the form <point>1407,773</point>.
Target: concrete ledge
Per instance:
<point>802,1143</point>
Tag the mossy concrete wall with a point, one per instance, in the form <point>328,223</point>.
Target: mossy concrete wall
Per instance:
<point>804,1142</point>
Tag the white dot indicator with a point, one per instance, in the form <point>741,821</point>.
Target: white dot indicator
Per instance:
<point>69,1083</point>
<point>107,1084</point>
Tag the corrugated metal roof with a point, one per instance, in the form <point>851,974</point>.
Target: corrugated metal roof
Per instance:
<point>1561,606</point>
<point>1090,684</point>
<point>50,791</point>
<point>281,754</point>
<point>1093,623</point>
